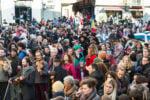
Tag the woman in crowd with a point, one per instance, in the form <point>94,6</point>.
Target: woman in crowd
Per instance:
<point>110,88</point>
<point>92,53</point>
<point>68,65</point>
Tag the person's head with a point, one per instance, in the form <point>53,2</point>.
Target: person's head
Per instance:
<point>92,50</point>
<point>13,52</point>
<point>38,55</point>
<point>145,53</point>
<point>103,47</point>
<point>39,39</point>
<point>66,59</point>
<point>124,97</point>
<point>46,49</point>
<point>106,97</point>
<point>110,88</point>
<point>77,49</point>
<point>53,52</point>
<point>26,62</point>
<point>136,93</point>
<point>121,72</point>
<point>57,86</point>
<point>139,45</point>
<point>102,67</point>
<point>68,82</point>
<point>70,51</point>
<point>92,68</point>
<point>57,61</point>
<point>126,62</point>
<point>102,55</point>
<point>2,52</point>
<point>87,85</point>
<point>21,46</point>
<point>111,74</point>
<point>145,60</point>
<point>142,80</point>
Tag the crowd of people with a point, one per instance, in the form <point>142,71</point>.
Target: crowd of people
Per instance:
<point>57,60</point>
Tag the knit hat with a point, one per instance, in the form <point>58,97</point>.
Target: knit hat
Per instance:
<point>96,60</point>
<point>102,55</point>
<point>58,86</point>
<point>76,47</point>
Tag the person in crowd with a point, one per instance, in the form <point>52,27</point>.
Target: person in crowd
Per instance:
<point>53,53</point>
<point>123,80</point>
<point>27,79</point>
<point>78,55</point>
<point>58,89</point>
<point>46,53</point>
<point>68,65</point>
<point>102,56</point>
<point>41,76</point>
<point>110,88</point>
<point>92,54</point>
<point>58,72</point>
<point>145,54</point>
<point>5,73</point>
<point>70,88</point>
<point>88,89</point>
<point>21,50</point>
<point>127,64</point>
<point>113,64</point>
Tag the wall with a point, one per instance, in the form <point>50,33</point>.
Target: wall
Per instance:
<point>8,10</point>
<point>37,9</point>
<point>109,2</point>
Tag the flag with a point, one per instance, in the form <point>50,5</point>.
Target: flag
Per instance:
<point>93,27</point>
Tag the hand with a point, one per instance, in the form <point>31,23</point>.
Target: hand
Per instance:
<point>21,77</point>
<point>9,81</point>
<point>52,77</point>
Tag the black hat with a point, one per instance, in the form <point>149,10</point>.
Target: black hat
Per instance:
<point>57,59</point>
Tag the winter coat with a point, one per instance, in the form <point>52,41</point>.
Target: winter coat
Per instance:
<point>27,85</point>
<point>60,73</point>
<point>71,93</point>
<point>90,60</point>
<point>92,96</point>
<point>70,69</point>
<point>44,77</point>
<point>99,76</point>
<point>77,60</point>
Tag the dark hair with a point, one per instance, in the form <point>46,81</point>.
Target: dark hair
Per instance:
<point>141,79</point>
<point>22,45</point>
<point>28,60</point>
<point>124,97</point>
<point>89,81</point>
<point>133,57</point>
<point>94,66</point>
<point>14,49</point>
<point>69,58</point>
<point>112,74</point>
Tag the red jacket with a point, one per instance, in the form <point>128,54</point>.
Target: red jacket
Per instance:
<point>90,60</point>
<point>70,69</point>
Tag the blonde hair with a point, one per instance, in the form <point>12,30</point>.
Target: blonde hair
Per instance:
<point>114,84</point>
<point>93,50</point>
<point>58,86</point>
<point>128,65</point>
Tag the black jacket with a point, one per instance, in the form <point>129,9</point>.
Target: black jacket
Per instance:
<point>60,73</point>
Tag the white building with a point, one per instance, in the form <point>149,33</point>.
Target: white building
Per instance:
<point>18,9</point>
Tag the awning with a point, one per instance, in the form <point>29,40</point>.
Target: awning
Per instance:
<point>113,8</point>
<point>136,9</point>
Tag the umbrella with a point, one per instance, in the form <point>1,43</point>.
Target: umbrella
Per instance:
<point>143,36</point>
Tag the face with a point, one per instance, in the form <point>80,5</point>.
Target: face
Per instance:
<point>66,58</point>
<point>145,61</point>
<point>53,53</point>
<point>89,69</point>
<point>67,86</point>
<point>46,50</point>
<point>103,47</point>
<point>120,74</point>
<point>70,51</point>
<point>24,63</point>
<point>13,53</point>
<point>56,64</point>
<point>13,46</point>
<point>108,88</point>
<point>125,60</point>
<point>145,53</point>
<point>38,55</point>
<point>109,76</point>
<point>2,53</point>
<point>78,51</point>
<point>86,90</point>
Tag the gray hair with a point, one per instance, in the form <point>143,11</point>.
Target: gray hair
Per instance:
<point>69,79</point>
